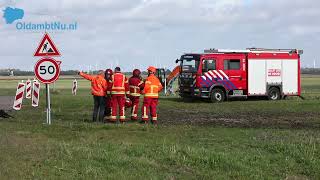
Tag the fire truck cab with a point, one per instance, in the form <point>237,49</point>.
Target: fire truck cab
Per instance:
<point>220,74</point>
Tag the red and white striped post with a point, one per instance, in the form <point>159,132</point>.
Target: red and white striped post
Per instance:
<point>35,93</point>
<point>28,89</point>
<point>17,104</point>
<point>74,87</point>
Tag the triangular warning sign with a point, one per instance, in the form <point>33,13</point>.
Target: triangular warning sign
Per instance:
<point>47,47</point>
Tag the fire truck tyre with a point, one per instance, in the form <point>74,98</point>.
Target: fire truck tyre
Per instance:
<point>217,95</point>
<point>274,94</point>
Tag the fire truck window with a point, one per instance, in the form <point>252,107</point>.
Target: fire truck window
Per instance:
<point>232,64</point>
<point>209,65</point>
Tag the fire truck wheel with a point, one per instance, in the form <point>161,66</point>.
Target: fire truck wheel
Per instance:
<point>274,94</point>
<point>217,95</point>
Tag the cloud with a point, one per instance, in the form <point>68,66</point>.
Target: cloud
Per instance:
<point>143,32</point>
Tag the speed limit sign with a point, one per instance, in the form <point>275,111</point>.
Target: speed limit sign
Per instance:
<point>47,70</point>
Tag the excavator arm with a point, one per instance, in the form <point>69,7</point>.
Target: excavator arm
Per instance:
<point>173,75</point>
<point>168,80</point>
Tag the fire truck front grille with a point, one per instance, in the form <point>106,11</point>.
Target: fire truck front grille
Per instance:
<point>186,81</point>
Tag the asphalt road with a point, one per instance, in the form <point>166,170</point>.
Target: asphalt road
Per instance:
<point>6,102</point>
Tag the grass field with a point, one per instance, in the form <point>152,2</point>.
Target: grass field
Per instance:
<point>233,140</point>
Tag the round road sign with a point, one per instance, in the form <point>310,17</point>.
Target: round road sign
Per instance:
<point>47,70</point>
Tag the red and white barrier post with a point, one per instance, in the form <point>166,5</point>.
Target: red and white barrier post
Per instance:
<point>35,93</point>
<point>74,87</point>
<point>28,89</point>
<point>17,104</point>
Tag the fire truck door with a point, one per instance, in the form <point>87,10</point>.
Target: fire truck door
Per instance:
<point>235,69</point>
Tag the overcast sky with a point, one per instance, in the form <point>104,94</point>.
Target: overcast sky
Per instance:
<point>138,33</point>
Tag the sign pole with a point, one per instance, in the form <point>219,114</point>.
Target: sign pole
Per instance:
<point>48,104</point>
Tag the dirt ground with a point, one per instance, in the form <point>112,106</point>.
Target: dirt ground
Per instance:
<point>295,120</point>
<point>6,102</point>
<point>259,122</point>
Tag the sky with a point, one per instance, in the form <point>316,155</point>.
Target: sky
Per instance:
<point>138,33</point>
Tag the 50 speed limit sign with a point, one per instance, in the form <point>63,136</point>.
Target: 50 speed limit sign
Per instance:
<point>47,70</point>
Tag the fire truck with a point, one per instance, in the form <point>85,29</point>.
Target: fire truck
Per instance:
<point>219,74</point>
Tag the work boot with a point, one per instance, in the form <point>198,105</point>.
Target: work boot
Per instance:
<point>143,122</point>
<point>113,121</point>
<point>106,119</point>
<point>134,119</point>
<point>155,123</point>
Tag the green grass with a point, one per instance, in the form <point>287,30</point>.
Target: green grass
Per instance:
<point>200,140</point>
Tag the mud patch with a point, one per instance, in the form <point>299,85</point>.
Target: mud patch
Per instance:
<point>292,120</point>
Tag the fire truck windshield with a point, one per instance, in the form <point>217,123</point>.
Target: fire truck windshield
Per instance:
<point>189,64</point>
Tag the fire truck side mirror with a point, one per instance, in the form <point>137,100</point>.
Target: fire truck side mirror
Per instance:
<point>177,60</point>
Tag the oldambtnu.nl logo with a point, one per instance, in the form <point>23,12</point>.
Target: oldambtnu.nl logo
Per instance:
<point>11,14</point>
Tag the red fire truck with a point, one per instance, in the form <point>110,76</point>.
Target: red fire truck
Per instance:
<point>221,74</point>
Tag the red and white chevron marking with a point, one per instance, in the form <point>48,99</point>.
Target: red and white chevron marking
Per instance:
<point>194,77</point>
<point>28,89</point>
<point>215,74</point>
<point>74,87</point>
<point>35,93</point>
<point>17,104</point>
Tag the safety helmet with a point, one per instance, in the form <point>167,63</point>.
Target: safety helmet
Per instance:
<point>128,103</point>
<point>109,72</point>
<point>136,73</point>
<point>152,69</point>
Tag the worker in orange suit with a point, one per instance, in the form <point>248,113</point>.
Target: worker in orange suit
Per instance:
<point>152,87</point>
<point>135,83</point>
<point>108,75</point>
<point>98,90</point>
<point>119,91</point>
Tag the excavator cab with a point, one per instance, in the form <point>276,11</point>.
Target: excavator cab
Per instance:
<point>161,74</point>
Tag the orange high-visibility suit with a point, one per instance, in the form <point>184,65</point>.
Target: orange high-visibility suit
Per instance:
<point>152,87</point>
<point>135,86</point>
<point>119,90</point>
<point>98,84</point>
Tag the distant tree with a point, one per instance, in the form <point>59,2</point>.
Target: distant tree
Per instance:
<point>310,71</point>
<point>18,72</point>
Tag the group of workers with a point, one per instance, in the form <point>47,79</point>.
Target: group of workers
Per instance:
<point>113,93</point>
